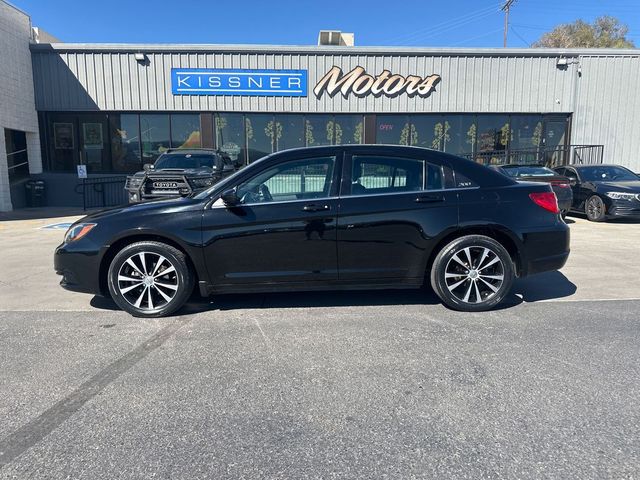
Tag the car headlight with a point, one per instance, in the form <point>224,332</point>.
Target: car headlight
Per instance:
<point>134,182</point>
<point>202,182</point>
<point>621,196</point>
<point>76,232</point>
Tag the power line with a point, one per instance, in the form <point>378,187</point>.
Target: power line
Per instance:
<point>519,36</point>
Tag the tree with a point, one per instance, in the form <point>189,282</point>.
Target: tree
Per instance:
<point>604,32</point>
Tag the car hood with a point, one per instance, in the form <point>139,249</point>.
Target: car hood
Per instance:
<point>171,205</point>
<point>180,171</point>
<point>632,186</point>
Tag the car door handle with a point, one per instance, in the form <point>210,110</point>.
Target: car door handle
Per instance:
<point>431,198</point>
<point>316,208</point>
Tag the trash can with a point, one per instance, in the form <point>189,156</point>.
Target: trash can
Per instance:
<point>35,193</point>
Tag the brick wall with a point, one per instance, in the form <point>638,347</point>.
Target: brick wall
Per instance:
<point>17,106</point>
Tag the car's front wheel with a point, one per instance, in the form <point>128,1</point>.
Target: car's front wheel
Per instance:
<point>595,209</point>
<point>472,273</point>
<point>150,279</point>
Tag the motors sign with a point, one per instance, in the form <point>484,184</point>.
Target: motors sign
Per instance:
<point>207,81</point>
<point>362,84</point>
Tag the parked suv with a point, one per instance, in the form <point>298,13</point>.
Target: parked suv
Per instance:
<point>322,218</point>
<point>178,173</point>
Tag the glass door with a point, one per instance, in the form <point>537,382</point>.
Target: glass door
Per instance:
<point>94,146</point>
<point>554,140</point>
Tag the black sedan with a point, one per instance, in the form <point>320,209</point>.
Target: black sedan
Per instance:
<point>343,217</point>
<point>538,173</point>
<point>603,191</point>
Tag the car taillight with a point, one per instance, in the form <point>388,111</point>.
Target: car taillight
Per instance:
<point>561,184</point>
<point>546,200</point>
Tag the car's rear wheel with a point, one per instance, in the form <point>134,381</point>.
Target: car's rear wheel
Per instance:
<point>595,209</point>
<point>150,279</point>
<point>472,273</point>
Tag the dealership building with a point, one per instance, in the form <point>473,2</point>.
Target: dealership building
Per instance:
<point>112,108</point>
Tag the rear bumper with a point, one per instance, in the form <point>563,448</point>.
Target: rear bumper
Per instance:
<point>545,249</point>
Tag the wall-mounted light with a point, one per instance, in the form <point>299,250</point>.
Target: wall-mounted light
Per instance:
<point>141,58</point>
<point>562,62</point>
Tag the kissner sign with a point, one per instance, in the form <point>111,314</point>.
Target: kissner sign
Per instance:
<point>207,81</point>
<point>361,84</point>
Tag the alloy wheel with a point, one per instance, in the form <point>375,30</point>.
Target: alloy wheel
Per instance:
<point>148,280</point>
<point>594,207</point>
<point>474,274</point>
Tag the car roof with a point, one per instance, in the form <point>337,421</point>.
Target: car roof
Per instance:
<point>581,165</point>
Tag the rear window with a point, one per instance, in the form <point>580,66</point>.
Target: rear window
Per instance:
<point>534,171</point>
<point>455,179</point>
<point>186,160</point>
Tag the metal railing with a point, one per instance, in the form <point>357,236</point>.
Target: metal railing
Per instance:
<point>550,157</point>
<point>100,192</point>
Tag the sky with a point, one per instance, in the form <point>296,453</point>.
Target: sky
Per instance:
<point>426,23</point>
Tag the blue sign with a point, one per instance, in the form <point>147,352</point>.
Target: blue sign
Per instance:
<point>215,81</point>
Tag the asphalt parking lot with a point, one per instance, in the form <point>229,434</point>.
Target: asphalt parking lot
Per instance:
<point>324,385</point>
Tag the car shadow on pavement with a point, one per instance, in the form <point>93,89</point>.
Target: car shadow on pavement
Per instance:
<point>544,286</point>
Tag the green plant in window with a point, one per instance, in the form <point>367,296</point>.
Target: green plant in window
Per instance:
<point>331,128</point>
<point>440,135</point>
<point>273,131</point>
<point>505,134</point>
<point>408,135</point>
<point>536,139</point>
<point>471,137</point>
<point>357,134</point>
<point>308,133</point>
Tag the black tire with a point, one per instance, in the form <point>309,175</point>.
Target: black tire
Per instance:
<point>483,276</point>
<point>595,209</point>
<point>144,285</point>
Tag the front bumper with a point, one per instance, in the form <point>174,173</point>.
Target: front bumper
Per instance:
<point>79,268</point>
<point>624,208</point>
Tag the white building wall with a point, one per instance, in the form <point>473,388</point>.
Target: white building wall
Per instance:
<point>17,105</point>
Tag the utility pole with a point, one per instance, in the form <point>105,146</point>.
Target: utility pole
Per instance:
<point>505,8</point>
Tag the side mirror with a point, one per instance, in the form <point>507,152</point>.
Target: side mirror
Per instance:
<point>230,197</point>
<point>148,166</point>
<point>573,181</point>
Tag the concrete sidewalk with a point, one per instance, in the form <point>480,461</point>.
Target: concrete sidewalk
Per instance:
<point>602,266</point>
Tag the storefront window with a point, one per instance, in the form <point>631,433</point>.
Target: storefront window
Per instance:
<point>430,131</point>
<point>494,135</point>
<point>349,129</point>
<point>185,130</point>
<point>462,135</point>
<point>394,130</point>
<point>230,136</point>
<point>319,130</point>
<point>291,128</point>
<point>262,133</point>
<point>125,142</point>
<point>154,129</point>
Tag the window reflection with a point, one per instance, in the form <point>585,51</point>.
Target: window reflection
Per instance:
<point>125,142</point>
<point>494,135</point>
<point>462,135</point>
<point>319,130</point>
<point>185,130</point>
<point>262,133</point>
<point>349,129</point>
<point>154,130</point>
<point>291,129</point>
<point>230,135</point>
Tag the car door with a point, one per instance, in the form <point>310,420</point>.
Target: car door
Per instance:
<point>391,208</point>
<point>283,230</point>
<point>580,193</point>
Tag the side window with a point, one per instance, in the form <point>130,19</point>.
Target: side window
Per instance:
<point>295,180</point>
<point>454,179</point>
<point>380,174</point>
<point>561,171</point>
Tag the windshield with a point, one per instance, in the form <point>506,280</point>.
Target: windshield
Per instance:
<point>224,184</point>
<point>185,160</point>
<point>606,174</point>
<point>533,171</point>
